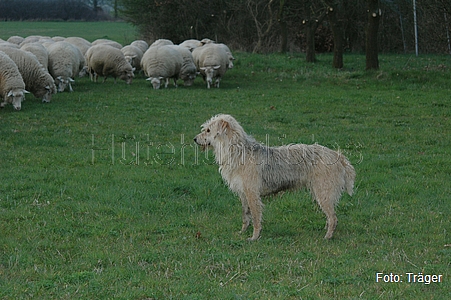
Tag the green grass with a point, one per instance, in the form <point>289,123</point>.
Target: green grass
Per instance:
<point>101,195</point>
<point>121,32</point>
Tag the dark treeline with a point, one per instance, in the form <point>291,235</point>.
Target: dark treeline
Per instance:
<point>282,25</point>
<point>262,25</point>
<point>19,10</point>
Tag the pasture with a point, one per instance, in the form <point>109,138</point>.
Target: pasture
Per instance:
<point>103,193</point>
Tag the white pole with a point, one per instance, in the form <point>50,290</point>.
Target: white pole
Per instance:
<point>447,33</point>
<point>415,26</point>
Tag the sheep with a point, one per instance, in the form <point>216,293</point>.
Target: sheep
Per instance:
<point>105,60</point>
<point>133,55</point>
<point>161,42</point>
<point>15,39</point>
<point>141,44</point>
<point>65,61</point>
<point>82,44</point>
<point>212,61</point>
<point>160,63</point>
<point>188,69</point>
<point>39,51</point>
<point>191,44</point>
<point>108,42</point>
<point>37,79</point>
<point>229,55</point>
<point>12,86</point>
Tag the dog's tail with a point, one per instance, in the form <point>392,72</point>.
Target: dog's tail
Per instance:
<point>349,175</point>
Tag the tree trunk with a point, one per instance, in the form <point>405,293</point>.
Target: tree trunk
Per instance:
<point>374,15</point>
<point>337,32</point>
<point>283,28</point>
<point>311,27</point>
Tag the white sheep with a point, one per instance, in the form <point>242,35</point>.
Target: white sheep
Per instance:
<point>82,44</point>
<point>141,44</point>
<point>162,62</point>
<point>212,61</point>
<point>65,61</point>
<point>188,69</point>
<point>15,39</point>
<point>133,55</point>
<point>105,60</point>
<point>37,79</point>
<point>229,55</point>
<point>39,51</point>
<point>107,42</point>
<point>161,42</point>
<point>191,44</point>
<point>12,86</point>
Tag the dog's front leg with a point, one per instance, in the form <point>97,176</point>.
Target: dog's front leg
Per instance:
<point>246,213</point>
<point>256,208</point>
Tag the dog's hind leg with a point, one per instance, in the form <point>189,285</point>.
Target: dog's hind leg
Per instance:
<point>327,204</point>
<point>246,213</point>
<point>256,209</point>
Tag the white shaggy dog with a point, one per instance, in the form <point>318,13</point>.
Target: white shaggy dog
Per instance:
<point>253,170</point>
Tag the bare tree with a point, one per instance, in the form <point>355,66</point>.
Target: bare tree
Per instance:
<point>310,25</point>
<point>283,27</point>
<point>334,15</point>
<point>374,14</point>
<point>263,16</point>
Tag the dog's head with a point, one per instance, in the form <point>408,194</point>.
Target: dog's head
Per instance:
<point>219,130</point>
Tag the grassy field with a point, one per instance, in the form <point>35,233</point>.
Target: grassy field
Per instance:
<point>104,195</point>
<point>121,32</point>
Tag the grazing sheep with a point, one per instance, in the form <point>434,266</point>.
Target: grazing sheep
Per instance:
<point>212,62</point>
<point>207,41</point>
<point>160,63</point>
<point>105,60</point>
<point>31,39</point>
<point>15,39</point>
<point>58,38</point>
<point>188,69</point>
<point>37,79</point>
<point>191,44</point>
<point>161,42</point>
<point>133,55</point>
<point>39,51</point>
<point>12,87</point>
<point>229,55</point>
<point>82,44</point>
<point>141,44</point>
<point>107,42</point>
<point>65,61</point>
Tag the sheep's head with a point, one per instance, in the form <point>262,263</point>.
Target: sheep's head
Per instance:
<point>156,82</point>
<point>209,74</point>
<point>62,83</point>
<point>127,76</point>
<point>15,97</point>
<point>188,79</point>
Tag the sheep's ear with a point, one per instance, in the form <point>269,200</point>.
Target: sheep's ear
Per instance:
<point>149,79</point>
<point>26,92</point>
<point>216,67</point>
<point>10,93</point>
<point>71,80</point>
<point>203,68</point>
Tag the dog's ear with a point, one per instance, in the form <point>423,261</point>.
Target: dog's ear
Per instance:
<point>224,126</point>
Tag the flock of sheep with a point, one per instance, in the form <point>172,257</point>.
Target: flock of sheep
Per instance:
<point>44,66</point>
